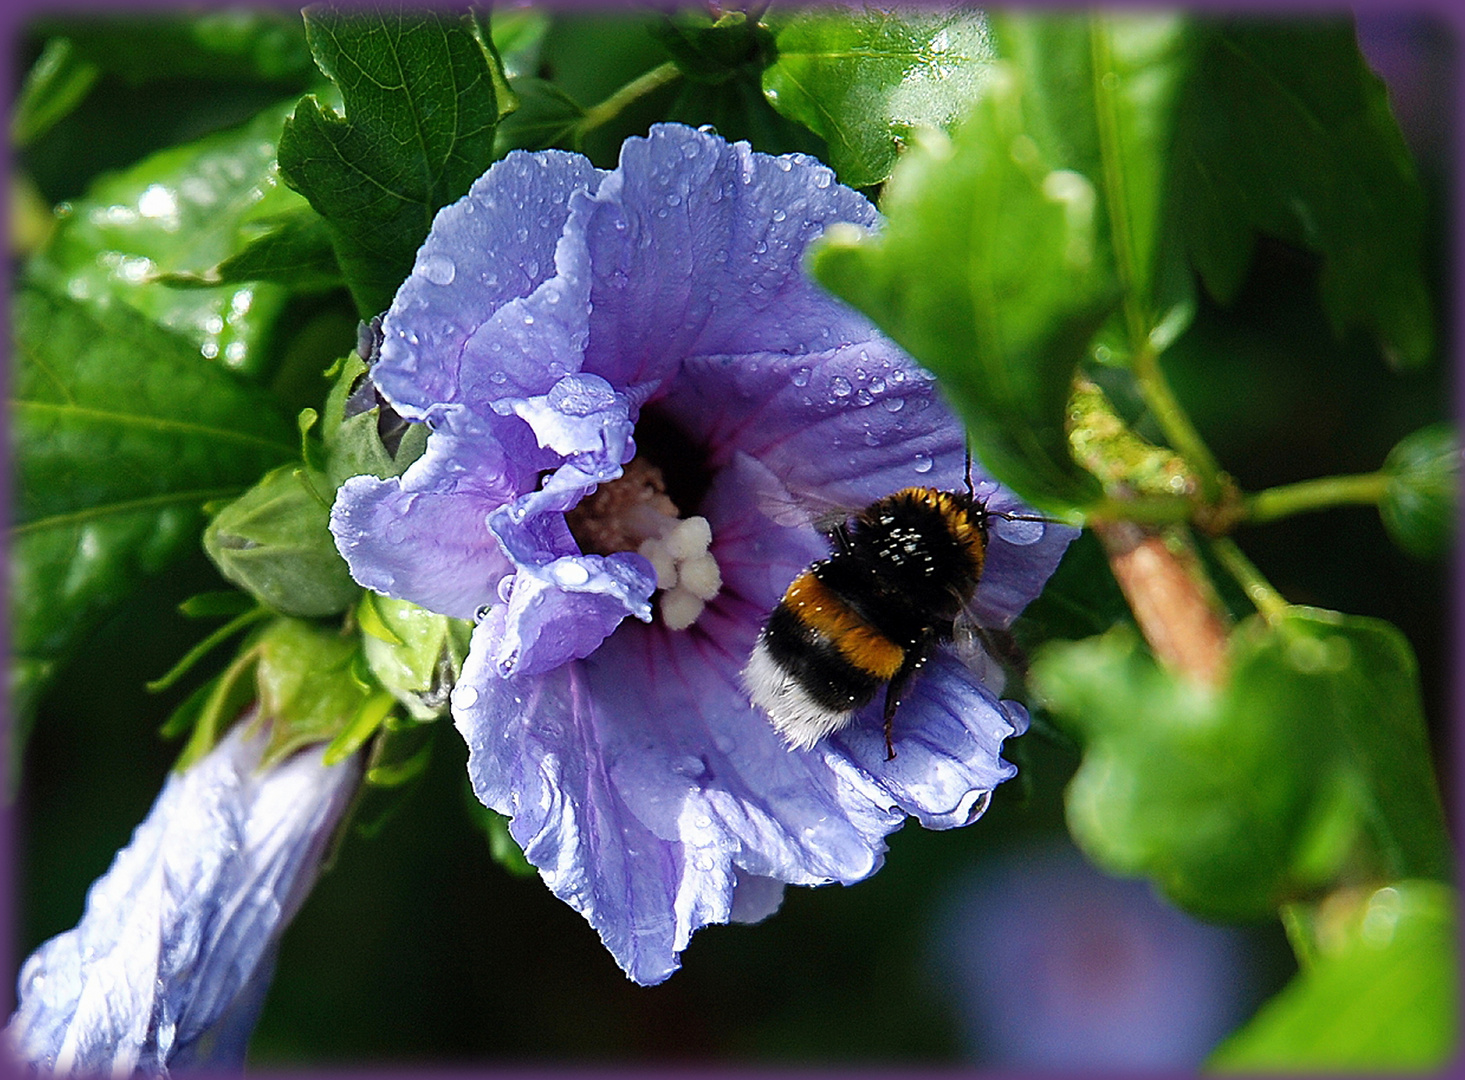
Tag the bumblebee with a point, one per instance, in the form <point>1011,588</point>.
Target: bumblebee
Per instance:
<point>900,575</point>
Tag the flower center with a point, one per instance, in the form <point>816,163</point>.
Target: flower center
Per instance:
<point>634,513</point>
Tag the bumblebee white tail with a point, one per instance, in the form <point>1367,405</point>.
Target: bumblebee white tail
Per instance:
<point>798,718</point>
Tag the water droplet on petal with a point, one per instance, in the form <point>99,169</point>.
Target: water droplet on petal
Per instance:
<point>923,463</point>
<point>840,387</point>
<point>801,376</point>
<point>894,404</point>
<point>571,573</point>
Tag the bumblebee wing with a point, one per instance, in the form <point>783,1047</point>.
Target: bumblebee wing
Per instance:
<point>979,648</point>
<point>801,509</point>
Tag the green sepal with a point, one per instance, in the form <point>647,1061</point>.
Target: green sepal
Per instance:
<point>1309,768</point>
<point>308,686</point>
<point>518,37</point>
<point>502,847</point>
<point>275,543</point>
<point>212,605</point>
<point>372,714</point>
<point>1379,993</point>
<point>353,444</point>
<point>414,653</point>
<point>1421,491</point>
<point>226,697</point>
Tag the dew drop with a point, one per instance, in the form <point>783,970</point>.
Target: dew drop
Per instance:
<point>801,376</point>
<point>821,179</point>
<point>863,396</point>
<point>572,573</point>
<point>923,463</point>
<point>840,387</point>
<point>779,215</point>
<point>894,404</point>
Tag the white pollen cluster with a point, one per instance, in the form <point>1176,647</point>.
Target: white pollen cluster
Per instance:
<point>686,572</point>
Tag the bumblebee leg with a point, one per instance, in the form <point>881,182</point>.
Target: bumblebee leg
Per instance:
<point>915,659</point>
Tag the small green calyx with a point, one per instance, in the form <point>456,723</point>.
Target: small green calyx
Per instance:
<point>715,51</point>
<point>1422,480</point>
<point>414,653</point>
<point>275,543</point>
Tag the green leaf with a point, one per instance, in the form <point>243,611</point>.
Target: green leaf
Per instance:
<point>56,83</point>
<point>990,273</point>
<point>422,92</point>
<point>864,78</point>
<point>1287,132</point>
<point>182,210</point>
<point>1380,997</point>
<point>1310,766</point>
<point>275,543</point>
<point>254,44</point>
<point>120,432</point>
<point>1421,491</point>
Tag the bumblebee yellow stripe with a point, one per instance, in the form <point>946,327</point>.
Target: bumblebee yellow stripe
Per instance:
<point>857,641</point>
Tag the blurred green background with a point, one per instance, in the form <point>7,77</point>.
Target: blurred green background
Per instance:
<point>416,947</point>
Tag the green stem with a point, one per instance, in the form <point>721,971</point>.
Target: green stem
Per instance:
<point>1328,491</point>
<point>638,87</point>
<point>1142,510</point>
<point>204,647</point>
<point>1173,421</point>
<point>1268,601</point>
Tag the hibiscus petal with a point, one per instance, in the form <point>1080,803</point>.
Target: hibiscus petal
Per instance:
<point>697,246</point>
<point>948,736</point>
<point>166,961</point>
<point>495,256</point>
<point>424,537</point>
<point>563,610</point>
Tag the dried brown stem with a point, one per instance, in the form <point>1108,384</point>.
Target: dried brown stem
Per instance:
<point>1171,599</point>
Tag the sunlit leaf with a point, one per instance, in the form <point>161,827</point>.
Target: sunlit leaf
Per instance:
<point>864,78</point>
<point>182,210</point>
<point>120,433</point>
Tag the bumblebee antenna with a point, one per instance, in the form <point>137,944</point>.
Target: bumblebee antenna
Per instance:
<point>970,492</point>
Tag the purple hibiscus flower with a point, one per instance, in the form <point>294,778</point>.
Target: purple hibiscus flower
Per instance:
<point>630,385</point>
